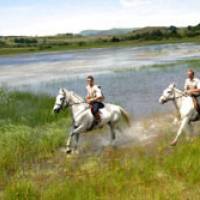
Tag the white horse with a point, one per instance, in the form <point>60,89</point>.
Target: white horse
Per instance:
<point>185,109</point>
<point>83,119</point>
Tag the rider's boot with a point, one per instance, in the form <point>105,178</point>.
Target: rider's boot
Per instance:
<point>97,118</point>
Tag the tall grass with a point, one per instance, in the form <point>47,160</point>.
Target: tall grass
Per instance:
<point>28,130</point>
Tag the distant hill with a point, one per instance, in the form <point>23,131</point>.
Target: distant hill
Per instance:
<point>114,31</point>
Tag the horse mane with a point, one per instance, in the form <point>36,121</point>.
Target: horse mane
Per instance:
<point>178,90</point>
<point>75,95</point>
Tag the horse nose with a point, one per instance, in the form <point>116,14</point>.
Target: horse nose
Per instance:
<point>56,109</point>
<point>161,100</point>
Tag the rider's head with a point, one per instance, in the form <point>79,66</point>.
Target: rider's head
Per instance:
<point>90,80</point>
<point>190,74</point>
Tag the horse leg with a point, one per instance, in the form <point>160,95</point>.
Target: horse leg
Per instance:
<point>68,144</point>
<point>76,144</point>
<point>112,132</point>
<point>190,131</point>
<point>75,132</point>
<point>184,123</point>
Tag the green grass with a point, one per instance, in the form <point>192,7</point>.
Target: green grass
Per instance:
<point>91,43</point>
<point>32,167</point>
<point>10,45</point>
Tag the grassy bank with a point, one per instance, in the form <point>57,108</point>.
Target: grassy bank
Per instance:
<point>11,45</point>
<point>32,167</point>
<point>89,45</point>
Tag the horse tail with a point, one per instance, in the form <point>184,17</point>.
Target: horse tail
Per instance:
<point>126,116</point>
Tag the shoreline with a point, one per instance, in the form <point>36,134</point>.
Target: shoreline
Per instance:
<point>59,49</point>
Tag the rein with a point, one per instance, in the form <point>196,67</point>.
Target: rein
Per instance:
<point>177,97</point>
<point>76,103</point>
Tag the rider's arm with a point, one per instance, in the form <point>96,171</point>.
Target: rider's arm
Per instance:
<point>97,98</point>
<point>196,90</point>
<point>99,95</point>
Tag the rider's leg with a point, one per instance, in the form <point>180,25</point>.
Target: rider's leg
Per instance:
<point>96,111</point>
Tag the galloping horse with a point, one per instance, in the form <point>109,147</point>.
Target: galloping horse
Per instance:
<point>83,120</point>
<point>185,108</point>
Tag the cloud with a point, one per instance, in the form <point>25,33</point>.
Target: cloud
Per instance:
<point>134,3</point>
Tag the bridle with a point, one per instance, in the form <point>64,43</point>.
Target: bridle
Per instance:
<point>68,104</point>
<point>176,97</point>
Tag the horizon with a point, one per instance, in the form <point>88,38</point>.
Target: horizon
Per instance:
<point>50,17</point>
<point>136,28</point>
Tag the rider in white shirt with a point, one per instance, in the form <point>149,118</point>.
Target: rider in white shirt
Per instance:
<point>192,84</point>
<point>192,88</point>
<point>94,97</point>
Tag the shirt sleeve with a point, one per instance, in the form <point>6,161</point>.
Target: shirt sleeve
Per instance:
<point>198,84</point>
<point>98,91</point>
<point>87,91</point>
<point>186,85</point>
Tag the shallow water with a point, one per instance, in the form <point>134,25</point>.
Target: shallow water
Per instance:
<point>125,74</point>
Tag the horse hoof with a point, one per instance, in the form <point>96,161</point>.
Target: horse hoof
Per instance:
<point>68,151</point>
<point>173,143</point>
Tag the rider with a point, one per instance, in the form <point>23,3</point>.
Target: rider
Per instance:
<point>192,84</point>
<point>192,88</point>
<point>94,98</point>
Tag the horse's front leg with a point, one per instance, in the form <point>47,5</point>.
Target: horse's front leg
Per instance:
<point>184,123</point>
<point>75,132</point>
<point>69,142</point>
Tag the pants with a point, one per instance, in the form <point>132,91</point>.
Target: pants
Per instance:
<point>96,106</point>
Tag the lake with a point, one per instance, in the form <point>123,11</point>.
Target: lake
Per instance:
<point>127,74</point>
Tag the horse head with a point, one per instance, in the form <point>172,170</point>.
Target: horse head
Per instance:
<point>61,100</point>
<point>168,94</point>
<point>66,98</point>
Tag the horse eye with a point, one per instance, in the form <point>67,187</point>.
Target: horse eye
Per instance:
<point>61,98</point>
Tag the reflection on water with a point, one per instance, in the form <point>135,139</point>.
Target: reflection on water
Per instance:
<point>136,90</point>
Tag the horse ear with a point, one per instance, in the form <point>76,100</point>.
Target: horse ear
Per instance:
<point>172,85</point>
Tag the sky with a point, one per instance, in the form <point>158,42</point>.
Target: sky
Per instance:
<point>49,17</point>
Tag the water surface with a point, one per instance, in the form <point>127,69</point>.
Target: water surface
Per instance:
<point>125,74</point>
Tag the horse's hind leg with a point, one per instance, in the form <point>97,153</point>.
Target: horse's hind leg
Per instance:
<point>190,131</point>
<point>76,142</point>
<point>112,132</point>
